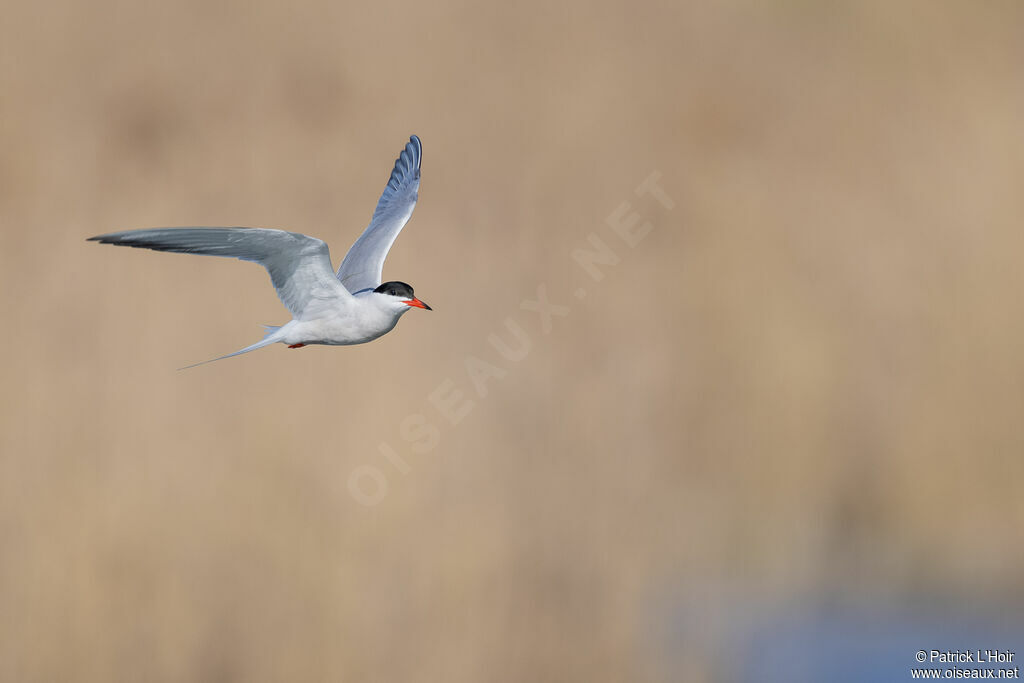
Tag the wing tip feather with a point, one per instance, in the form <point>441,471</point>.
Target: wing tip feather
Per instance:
<point>407,164</point>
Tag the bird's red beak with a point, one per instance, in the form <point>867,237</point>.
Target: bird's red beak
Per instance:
<point>417,303</point>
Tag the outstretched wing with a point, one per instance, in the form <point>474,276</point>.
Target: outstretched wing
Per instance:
<point>364,262</point>
<point>299,266</point>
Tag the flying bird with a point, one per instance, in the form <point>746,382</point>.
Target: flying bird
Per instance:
<point>351,306</point>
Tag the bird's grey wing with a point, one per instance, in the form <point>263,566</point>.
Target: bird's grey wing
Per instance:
<point>299,265</point>
<point>364,262</point>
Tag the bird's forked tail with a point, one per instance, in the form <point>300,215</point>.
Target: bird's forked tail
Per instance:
<point>269,338</point>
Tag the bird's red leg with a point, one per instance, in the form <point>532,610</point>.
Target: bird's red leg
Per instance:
<point>295,346</point>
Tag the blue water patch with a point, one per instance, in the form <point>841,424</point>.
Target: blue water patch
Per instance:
<point>748,641</point>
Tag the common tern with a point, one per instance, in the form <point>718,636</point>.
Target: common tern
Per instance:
<point>351,306</point>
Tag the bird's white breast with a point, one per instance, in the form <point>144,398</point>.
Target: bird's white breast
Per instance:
<point>361,321</point>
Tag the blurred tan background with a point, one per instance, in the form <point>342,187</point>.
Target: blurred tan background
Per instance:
<point>803,387</point>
